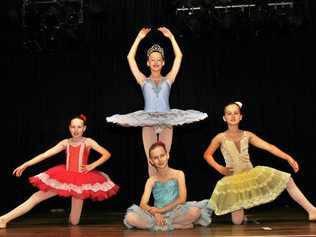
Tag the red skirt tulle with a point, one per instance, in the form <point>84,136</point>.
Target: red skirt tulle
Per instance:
<point>95,185</point>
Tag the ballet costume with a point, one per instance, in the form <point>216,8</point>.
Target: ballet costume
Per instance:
<point>165,193</point>
<point>248,186</point>
<point>157,112</point>
<point>67,180</point>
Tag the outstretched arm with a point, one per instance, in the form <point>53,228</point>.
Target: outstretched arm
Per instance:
<point>171,76</point>
<point>105,155</point>
<point>52,151</point>
<point>208,156</point>
<point>139,76</point>
<point>262,144</point>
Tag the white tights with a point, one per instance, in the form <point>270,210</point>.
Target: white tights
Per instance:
<point>36,198</point>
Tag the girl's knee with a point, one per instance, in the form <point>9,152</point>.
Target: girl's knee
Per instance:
<point>130,218</point>
<point>194,213</point>
<point>238,217</point>
<point>74,221</point>
<point>237,221</point>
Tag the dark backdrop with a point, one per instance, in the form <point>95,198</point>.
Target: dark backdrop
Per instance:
<point>270,68</point>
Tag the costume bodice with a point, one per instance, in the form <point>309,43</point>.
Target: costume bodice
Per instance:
<point>165,192</point>
<point>156,96</point>
<point>239,160</point>
<point>76,156</point>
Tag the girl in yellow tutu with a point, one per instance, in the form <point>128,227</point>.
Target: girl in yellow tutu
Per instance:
<point>245,186</point>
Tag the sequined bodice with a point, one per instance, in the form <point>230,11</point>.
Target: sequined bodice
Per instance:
<point>165,192</point>
<point>238,159</point>
<point>156,96</point>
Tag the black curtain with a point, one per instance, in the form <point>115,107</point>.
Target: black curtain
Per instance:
<point>269,68</point>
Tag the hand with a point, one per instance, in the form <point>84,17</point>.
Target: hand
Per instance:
<point>143,32</point>
<point>293,164</point>
<point>153,210</point>
<point>166,32</point>
<point>160,220</point>
<point>226,170</point>
<point>19,170</point>
<point>86,168</point>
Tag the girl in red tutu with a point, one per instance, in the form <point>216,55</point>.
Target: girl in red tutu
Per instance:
<point>76,179</point>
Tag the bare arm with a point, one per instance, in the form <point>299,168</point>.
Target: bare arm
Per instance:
<point>209,152</point>
<point>50,152</point>
<point>139,76</point>
<point>105,155</point>
<point>171,76</point>
<point>146,194</point>
<point>262,144</point>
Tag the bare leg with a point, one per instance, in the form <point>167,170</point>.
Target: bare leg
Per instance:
<point>238,217</point>
<point>186,221</point>
<point>299,197</point>
<point>75,213</point>
<point>134,220</point>
<point>25,207</point>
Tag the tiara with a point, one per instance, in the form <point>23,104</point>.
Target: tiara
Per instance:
<point>155,48</point>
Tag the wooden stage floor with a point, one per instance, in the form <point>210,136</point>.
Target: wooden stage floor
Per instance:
<point>272,222</point>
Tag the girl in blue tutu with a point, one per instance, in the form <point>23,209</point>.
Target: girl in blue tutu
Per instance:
<point>170,210</point>
<point>245,186</point>
<point>156,119</point>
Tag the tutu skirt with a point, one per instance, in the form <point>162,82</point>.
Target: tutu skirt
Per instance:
<point>95,185</point>
<point>158,120</point>
<point>180,210</point>
<point>250,188</point>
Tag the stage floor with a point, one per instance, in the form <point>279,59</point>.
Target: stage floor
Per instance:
<point>272,222</point>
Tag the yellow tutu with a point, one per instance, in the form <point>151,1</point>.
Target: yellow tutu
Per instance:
<point>250,188</point>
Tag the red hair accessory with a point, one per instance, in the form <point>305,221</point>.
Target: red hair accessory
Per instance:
<point>83,117</point>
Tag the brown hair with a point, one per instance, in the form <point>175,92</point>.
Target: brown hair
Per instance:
<point>155,145</point>
<point>82,117</point>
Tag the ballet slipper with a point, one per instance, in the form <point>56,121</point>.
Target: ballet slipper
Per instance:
<point>3,224</point>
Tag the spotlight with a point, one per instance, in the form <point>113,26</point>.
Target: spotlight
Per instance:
<point>43,21</point>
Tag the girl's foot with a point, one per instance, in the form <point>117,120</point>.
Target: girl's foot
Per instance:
<point>3,223</point>
<point>312,215</point>
<point>178,226</point>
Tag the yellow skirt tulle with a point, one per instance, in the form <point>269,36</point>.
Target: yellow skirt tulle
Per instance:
<point>251,188</point>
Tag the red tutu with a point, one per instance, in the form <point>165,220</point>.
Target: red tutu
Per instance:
<point>95,185</point>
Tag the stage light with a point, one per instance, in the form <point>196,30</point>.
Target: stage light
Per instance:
<point>234,14</point>
<point>44,21</point>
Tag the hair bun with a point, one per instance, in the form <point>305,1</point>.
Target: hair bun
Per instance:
<point>238,103</point>
<point>83,117</point>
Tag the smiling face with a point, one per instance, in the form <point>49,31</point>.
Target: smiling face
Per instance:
<point>155,61</point>
<point>77,127</point>
<point>159,157</point>
<point>232,114</point>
